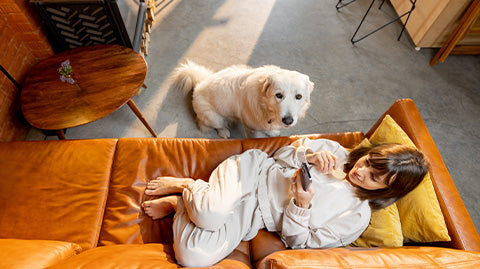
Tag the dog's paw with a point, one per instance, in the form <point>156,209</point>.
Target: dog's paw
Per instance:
<point>223,132</point>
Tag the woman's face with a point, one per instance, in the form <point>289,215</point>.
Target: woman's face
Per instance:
<point>362,175</point>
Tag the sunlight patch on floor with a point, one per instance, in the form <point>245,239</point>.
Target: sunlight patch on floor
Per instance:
<point>169,131</point>
<point>238,23</point>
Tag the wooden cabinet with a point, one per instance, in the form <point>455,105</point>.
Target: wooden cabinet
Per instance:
<point>472,34</point>
<point>433,21</point>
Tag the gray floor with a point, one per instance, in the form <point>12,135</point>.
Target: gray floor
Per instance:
<point>354,84</point>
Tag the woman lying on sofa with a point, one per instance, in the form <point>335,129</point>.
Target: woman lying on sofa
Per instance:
<point>252,191</point>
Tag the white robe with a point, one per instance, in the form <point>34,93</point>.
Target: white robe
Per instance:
<point>251,191</point>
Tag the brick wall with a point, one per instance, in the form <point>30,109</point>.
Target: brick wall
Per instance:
<point>22,44</point>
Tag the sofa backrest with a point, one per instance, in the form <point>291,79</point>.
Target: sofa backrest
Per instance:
<point>138,160</point>
<point>271,144</point>
<point>54,190</point>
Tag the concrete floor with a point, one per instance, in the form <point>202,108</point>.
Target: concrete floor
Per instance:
<point>354,84</point>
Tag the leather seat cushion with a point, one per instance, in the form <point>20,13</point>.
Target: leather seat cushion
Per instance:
<point>32,254</point>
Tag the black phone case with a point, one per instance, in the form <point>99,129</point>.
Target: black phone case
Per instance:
<point>306,178</point>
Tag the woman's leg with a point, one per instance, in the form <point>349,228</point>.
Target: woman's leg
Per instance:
<point>213,217</point>
<point>197,247</point>
<point>210,204</point>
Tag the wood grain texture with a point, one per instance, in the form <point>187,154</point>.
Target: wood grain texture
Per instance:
<point>432,20</point>
<point>107,77</point>
<point>467,21</point>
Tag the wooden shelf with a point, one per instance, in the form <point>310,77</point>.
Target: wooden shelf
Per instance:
<point>468,27</point>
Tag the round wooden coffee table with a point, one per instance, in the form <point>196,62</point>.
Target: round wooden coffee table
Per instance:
<point>105,78</point>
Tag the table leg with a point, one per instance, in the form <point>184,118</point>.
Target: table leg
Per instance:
<point>61,134</point>
<point>139,114</point>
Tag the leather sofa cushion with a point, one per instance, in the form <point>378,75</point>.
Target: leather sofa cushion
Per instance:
<point>123,256</point>
<point>410,257</point>
<point>140,159</point>
<point>143,256</point>
<point>32,254</point>
<point>54,190</point>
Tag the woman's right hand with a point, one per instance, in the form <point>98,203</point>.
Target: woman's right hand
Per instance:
<point>302,198</point>
<point>324,160</point>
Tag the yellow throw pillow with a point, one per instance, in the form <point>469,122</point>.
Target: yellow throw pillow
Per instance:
<point>384,230</point>
<point>420,214</point>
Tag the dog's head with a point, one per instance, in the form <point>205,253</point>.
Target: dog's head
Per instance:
<point>287,96</point>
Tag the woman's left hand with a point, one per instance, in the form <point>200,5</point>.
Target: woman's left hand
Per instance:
<point>324,161</point>
<point>302,198</point>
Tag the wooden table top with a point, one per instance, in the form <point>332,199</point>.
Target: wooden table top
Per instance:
<point>107,77</point>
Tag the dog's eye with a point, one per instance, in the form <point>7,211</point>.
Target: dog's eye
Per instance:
<point>279,95</point>
<point>298,96</point>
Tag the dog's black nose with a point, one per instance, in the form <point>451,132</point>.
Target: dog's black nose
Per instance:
<point>287,120</point>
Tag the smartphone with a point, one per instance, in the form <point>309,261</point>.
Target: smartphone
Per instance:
<point>305,175</point>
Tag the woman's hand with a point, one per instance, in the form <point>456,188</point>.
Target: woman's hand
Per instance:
<point>302,198</point>
<point>323,160</point>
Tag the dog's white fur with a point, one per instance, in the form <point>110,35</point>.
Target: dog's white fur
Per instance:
<point>263,99</point>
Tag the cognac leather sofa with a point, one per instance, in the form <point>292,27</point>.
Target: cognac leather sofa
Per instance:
<point>76,204</point>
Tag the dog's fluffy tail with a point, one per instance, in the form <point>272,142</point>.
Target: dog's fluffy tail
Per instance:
<point>189,74</point>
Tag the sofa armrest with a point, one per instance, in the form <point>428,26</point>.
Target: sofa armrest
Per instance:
<point>460,226</point>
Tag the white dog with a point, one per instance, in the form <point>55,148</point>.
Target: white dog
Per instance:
<point>263,99</point>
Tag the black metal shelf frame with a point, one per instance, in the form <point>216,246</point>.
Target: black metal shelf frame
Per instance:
<point>341,3</point>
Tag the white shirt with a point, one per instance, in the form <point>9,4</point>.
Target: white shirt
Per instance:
<point>335,218</point>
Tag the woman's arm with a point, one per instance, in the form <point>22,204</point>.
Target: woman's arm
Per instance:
<point>293,155</point>
<point>337,232</point>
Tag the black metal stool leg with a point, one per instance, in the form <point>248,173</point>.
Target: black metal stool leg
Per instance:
<point>408,17</point>
<point>361,22</point>
<point>381,4</point>
<point>408,13</point>
<point>339,5</point>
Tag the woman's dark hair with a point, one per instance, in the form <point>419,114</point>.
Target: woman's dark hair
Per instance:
<point>404,168</point>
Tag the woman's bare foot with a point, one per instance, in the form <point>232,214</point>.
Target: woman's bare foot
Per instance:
<point>161,207</point>
<point>166,185</point>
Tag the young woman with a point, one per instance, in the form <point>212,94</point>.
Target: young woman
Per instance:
<point>252,191</point>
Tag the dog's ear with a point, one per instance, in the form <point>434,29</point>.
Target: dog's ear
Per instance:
<point>310,86</point>
<point>266,83</point>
